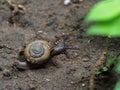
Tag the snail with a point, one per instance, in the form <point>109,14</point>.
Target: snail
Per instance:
<point>39,52</point>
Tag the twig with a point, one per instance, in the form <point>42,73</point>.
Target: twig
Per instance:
<point>98,65</point>
<point>16,11</point>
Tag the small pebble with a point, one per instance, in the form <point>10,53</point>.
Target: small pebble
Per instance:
<point>40,31</point>
<point>81,0</point>
<point>6,73</point>
<point>76,54</point>
<point>83,84</point>
<point>85,59</point>
<point>47,79</point>
<point>67,2</point>
<point>72,82</point>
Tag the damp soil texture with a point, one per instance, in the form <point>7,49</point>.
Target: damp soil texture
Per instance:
<point>49,20</point>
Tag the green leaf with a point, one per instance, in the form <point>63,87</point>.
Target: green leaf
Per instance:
<point>110,29</point>
<point>110,60</point>
<point>117,69</point>
<point>117,86</point>
<point>104,11</point>
<point>97,73</point>
<point>105,69</point>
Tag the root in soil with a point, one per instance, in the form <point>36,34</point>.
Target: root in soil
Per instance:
<point>98,65</point>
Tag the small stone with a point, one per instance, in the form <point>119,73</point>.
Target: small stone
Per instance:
<point>85,59</point>
<point>6,73</point>
<point>75,54</point>
<point>45,33</point>
<point>47,79</point>
<point>40,31</point>
<point>67,2</point>
<point>83,84</point>
<point>81,0</point>
<point>72,82</point>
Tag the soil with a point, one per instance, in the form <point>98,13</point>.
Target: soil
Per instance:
<point>48,19</point>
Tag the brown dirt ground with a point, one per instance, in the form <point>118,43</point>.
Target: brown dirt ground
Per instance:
<point>45,19</point>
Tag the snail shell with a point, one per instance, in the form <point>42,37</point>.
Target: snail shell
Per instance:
<point>37,52</point>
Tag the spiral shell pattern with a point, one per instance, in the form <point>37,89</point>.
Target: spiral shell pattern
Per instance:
<point>37,52</point>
